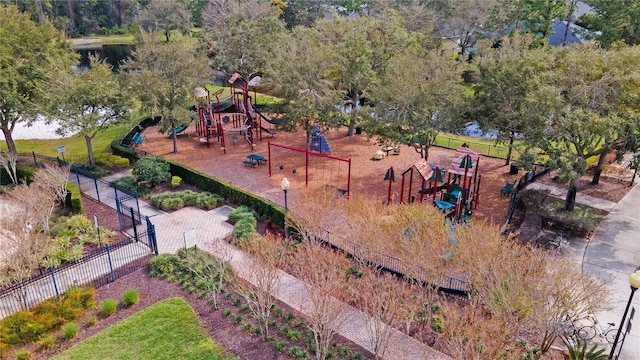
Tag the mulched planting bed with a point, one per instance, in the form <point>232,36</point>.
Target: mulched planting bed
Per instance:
<point>221,329</point>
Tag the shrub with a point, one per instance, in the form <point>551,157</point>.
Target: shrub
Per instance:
<point>171,204</point>
<point>69,331</point>
<point>23,354</point>
<point>152,169</point>
<point>92,320</point>
<point>112,161</point>
<point>239,213</point>
<point>244,228</point>
<point>130,297</point>
<point>238,319</point>
<point>130,184</point>
<point>108,307</point>
<point>281,345</point>
<point>74,198</point>
<point>208,201</point>
<point>227,313</point>
<point>176,181</point>
<point>162,264</point>
<point>47,342</point>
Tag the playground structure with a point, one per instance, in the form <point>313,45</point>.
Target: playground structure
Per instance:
<point>458,195</point>
<point>319,142</point>
<point>308,156</point>
<point>232,114</point>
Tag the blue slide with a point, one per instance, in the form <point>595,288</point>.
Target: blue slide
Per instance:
<point>179,129</point>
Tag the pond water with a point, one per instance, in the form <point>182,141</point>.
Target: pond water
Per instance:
<point>114,54</point>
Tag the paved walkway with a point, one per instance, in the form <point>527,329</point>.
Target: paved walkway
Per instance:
<point>210,229</point>
<point>580,198</point>
<point>612,254</point>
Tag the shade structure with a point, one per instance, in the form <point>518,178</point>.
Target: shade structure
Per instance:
<point>428,171</point>
<point>463,160</point>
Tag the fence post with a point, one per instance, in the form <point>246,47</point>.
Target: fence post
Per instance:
<point>95,182</point>
<point>55,285</point>
<point>133,223</point>
<point>113,278</point>
<point>75,170</point>
<point>151,235</point>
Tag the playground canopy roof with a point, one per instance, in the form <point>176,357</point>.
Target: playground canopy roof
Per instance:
<point>459,163</point>
<point>457,167</point>
<point>427,170</point>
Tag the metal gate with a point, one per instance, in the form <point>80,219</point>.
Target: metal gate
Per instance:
<point>127,207</point>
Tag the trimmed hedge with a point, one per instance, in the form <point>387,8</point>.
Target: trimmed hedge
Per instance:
<point>23,172</point>
<point>233,194</point>
<point>74,198</point>
<point>123,151</point>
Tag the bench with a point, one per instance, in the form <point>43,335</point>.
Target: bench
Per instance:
<point>249,163</point>
<point>137,138</point>
<point>506,190</point>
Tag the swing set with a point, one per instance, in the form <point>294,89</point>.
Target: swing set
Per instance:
<point>309,154</point>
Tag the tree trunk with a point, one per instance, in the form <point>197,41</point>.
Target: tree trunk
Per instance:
<point>9,139</point>
<point>596,174</point>
<point>511,138</point>
<point>175,141</point>
<point>570,200</point>
<point>354,113</point>
<point>166,34</point>
<point>92,161</point>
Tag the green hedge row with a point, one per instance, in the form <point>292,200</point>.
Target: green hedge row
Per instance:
<point>74,198</point>
<point>233,194</point>
<point>23,172</point>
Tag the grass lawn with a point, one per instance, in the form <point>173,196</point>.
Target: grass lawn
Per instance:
<point>168,329</point>
<point>75,146</point>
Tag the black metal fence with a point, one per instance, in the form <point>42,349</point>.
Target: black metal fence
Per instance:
<point>445,283</point>
<point>97,268</point>
<point>525,180</point>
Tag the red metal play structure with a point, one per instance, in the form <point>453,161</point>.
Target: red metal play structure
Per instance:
<point>233,114</point>
<point>307,154</point>
<point>459,193</point>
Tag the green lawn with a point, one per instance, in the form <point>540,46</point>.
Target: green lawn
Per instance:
<point>75,146</point>
<point>167,330</point>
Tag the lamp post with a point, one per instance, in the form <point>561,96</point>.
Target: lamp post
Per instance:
<point>285,187</point>
<point>634,282</point>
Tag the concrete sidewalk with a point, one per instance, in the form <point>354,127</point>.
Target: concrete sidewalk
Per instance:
<point>211,229</point>
<point>559,193</point>
<point>104,193</point>
<point>611,255</point>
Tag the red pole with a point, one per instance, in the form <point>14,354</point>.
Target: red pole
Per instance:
<point>422,192</point>
<point>402,190</point>
<point>436,184</point>
<point>410,185</point>
<point>465,191</point>
<point>389,191</point>
<point>306,168</point>
<point>349,179</point>
<point>269,156</point>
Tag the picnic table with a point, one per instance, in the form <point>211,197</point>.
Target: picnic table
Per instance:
<point>257,159</point>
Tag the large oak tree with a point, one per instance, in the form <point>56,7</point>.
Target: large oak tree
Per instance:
<point>30,57</point>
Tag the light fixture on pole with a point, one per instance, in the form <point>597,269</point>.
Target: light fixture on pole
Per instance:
<point>634,282</point>
<point>285,187</point>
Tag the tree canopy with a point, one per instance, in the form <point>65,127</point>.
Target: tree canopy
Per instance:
<point>31,55</point>
<point>163,76</point>
<point>89,102</point>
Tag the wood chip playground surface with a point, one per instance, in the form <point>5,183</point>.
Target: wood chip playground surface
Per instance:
<point>367,174</point>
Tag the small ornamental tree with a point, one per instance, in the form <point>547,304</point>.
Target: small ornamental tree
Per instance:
<point>151,169</point>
